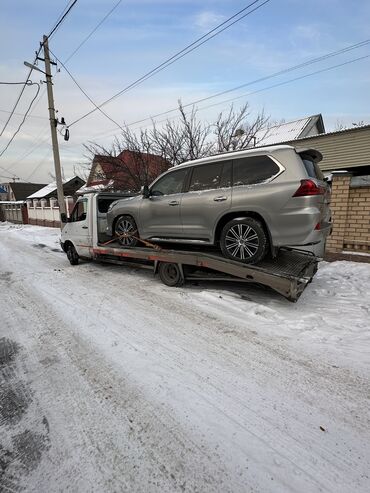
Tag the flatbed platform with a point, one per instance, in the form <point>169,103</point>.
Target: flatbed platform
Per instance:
<point>288,274</point>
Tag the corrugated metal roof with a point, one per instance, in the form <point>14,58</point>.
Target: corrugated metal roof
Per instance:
<point>51,187</point>
<point>22,190</point>
<point>286,131</point>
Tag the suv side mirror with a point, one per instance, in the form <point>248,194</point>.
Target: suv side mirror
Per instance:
<point>145,191</point>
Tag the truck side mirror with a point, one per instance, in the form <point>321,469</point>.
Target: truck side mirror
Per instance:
<point>145,191</point>
<point>63,217</point>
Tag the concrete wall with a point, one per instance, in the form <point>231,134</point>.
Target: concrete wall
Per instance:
<point>46,212</point>
<point>351,214</point>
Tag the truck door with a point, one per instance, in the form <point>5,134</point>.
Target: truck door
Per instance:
<point>77,228</point>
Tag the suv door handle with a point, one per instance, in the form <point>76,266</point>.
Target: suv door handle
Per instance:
<point>174,202</point>
<point>84,227</point>
<point>220,199</point>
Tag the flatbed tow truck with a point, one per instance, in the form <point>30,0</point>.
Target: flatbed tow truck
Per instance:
<point>83,236</point>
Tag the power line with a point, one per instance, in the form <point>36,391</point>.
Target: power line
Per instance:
<point>22,114</point>
<point>77,49</point>
<point>23,120</point>
<point>14,83</point>
<point>93,31</point>
<point>180,54</point>
<point>60,21</point>
<point>85,93</point>
<point>281,72</point>
<point>284,82</point>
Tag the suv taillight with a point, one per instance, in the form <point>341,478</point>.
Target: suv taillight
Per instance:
<point>309,187</point>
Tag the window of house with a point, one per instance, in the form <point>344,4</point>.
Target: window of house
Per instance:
<point>79,212</point>
<point>254,169</point>
<point>170,184</point>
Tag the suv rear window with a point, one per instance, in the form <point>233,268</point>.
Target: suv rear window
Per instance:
<point>312,168</point>
<point>252,170</point>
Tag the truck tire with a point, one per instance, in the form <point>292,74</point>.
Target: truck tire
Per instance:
<point>72,255</point>
<point>244,240</point>
<point>170,274</point>
<point>122,229</point>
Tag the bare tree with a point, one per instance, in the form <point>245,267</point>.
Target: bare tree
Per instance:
<point>136,158</point>
<point>235,131</point>
<point>184,140</point>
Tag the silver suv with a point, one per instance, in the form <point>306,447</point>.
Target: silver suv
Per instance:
<point>248,202</point>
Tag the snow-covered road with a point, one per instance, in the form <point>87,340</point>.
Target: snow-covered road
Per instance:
<point>110,381</point>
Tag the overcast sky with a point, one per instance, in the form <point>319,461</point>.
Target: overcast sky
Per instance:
<point>141,34</point>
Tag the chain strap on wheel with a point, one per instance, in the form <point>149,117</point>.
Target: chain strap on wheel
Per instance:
<point>130,235</point>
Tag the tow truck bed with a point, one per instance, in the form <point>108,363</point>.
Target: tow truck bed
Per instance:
<point>288,274</point>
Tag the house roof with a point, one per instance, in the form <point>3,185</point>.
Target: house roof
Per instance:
<point>118,172</point>
<point>52,187</point>
<point>22,190</point>
<point>289,131</point>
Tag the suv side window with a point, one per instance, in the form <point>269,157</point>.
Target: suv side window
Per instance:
<point>205,177</point>
<point>254,169</point>
<point>79,211</point>
<point>170,184</point>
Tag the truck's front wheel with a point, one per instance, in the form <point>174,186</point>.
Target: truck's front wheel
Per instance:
<point>72,255</point>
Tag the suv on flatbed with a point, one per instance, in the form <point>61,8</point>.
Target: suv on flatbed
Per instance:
<point>248,202</point>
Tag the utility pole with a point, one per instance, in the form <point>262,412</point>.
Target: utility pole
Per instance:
<point>53,128</point>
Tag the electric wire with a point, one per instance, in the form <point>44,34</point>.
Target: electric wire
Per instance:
<point>24,118</point>
<point>93,31</point>
<point>60,21</point>
<point>77,49</point>
<point>261,79</point>
<point>180,54</point>
<point>281,83</point>
<point>85,93</point>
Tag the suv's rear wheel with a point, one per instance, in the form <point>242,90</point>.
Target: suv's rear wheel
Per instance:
<point>244,240</point>
<point>126,231</point>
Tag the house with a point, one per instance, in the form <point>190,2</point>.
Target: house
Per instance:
<point>287,131</point>
<point>70,187</point>
<point>43,208</point>
<point>126,172</point>
<point>12,201</point>
<point>16,191</point>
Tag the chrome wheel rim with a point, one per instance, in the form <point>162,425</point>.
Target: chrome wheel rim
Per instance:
<point>241,241</point>
<point>125,230</point>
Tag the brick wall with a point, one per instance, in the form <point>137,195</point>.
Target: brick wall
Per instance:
<point>350,205</point>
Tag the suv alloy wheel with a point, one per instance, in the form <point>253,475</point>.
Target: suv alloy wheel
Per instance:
<point>125,227</point>
<point>244,240</point>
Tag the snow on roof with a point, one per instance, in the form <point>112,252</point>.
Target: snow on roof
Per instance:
<point>51,187</point>
<point>286,131</point>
